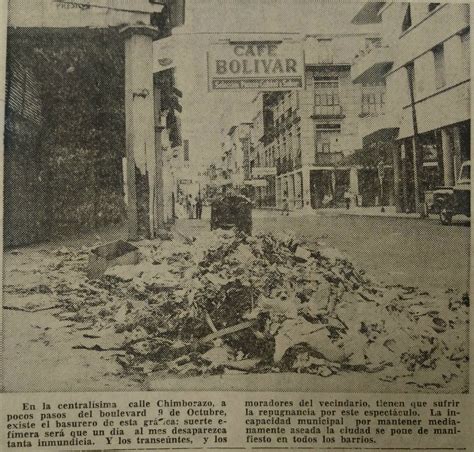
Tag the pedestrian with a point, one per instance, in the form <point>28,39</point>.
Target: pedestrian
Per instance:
<point>198,208</point>
<point>190,207</point>
<point>286,207</point>
<point>348,198</point>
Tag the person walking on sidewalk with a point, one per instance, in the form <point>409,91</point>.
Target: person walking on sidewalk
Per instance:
<point>286,207</point>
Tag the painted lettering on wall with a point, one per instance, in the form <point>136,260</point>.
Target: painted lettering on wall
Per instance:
<point>70,4</point>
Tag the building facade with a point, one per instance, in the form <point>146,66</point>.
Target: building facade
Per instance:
<point>236,145</point>
<point>424,59</point>
<point>306,135</point>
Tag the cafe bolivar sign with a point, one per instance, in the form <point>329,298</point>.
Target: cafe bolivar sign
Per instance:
<point>263,65</point>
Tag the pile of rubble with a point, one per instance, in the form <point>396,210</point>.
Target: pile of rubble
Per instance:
<point>226,302</point>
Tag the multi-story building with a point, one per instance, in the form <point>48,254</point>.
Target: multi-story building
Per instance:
<point>236,154</point>
<point>424,59</point>
<point>262,161</point>
<point>306,134</point>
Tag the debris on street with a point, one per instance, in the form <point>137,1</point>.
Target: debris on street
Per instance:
<point>229,302</point>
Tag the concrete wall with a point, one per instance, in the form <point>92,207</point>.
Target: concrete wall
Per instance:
<point>435,107</point>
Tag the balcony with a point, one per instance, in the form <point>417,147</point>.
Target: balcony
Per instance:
<point>371,64</point>
<point>328,112</point>
<point>327,158</point>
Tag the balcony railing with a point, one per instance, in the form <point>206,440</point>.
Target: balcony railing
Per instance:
<point>327,158</point>
<point>372,110</point>
<point>328,111</point>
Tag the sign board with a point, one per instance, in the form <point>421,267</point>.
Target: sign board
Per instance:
<point>256,182</point>
<point>264,171</point>
<point>261,66</point>
<point>185,181</point>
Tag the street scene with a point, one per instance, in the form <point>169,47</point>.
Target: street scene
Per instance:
<point>198,200</point>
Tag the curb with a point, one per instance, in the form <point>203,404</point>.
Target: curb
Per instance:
<point>323,212</point>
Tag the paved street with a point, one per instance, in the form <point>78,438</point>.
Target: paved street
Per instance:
<point>413,252</point>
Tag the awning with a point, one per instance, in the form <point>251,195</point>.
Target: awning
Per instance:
<point>369,14</point>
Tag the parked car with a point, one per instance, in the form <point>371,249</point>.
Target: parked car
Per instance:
<point>449,201</point>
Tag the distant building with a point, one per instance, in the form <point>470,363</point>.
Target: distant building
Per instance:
<point>236,154</point>
<point>424,59</point>
<point>186,150</point>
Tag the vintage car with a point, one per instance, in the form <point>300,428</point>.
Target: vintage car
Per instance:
<point>232,211</point>
<point>449,201</point>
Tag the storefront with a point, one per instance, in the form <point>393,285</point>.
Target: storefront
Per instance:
<point>440,154</point>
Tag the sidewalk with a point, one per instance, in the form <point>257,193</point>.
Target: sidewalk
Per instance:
<point>389,212</point>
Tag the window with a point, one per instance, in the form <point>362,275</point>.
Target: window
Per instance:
<point>327,138</point>
<point>466,52</point>
<point>369,103</point>
<point>407,19</point>
<point>323,142</point>
<point>432,6</point>
<point>326,96</point>
<point>325,50</point>
<point>439,66</point>
<point>373,99</point>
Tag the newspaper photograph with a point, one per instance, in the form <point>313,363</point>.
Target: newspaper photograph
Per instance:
<point>236,225</point>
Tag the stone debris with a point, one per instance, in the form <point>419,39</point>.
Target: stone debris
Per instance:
<point>225,302</point>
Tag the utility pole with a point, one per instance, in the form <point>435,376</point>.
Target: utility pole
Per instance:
<point>411,77</point>
<point>396,178</point>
